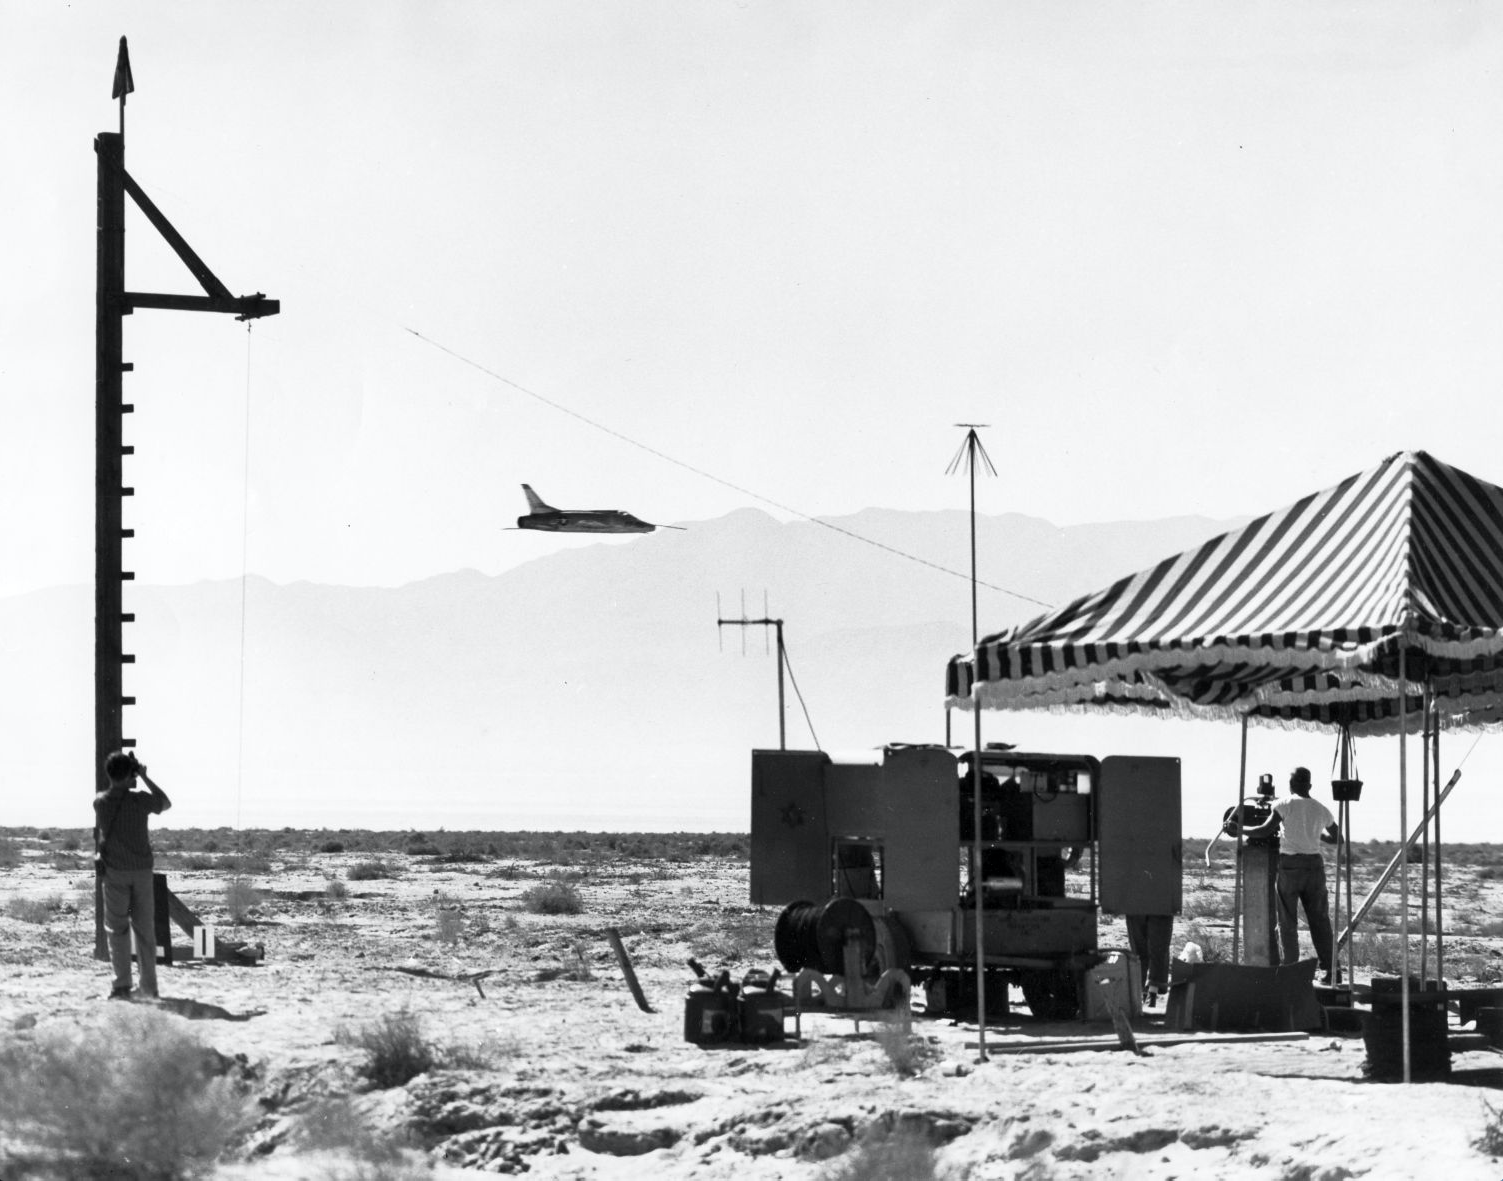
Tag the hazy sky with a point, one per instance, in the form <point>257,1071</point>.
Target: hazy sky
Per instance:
<point>1183,258</point>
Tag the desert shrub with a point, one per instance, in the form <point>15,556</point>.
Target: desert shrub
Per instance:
<point>1208,902</point>
<point>1490,1140</point>
<point>1491,929</point>
<point>10,853</point>
<point>576,966</point>
<point>448,920</point>
<point>335,890</point>
<point>34,910</point>
<point>71,845</point>
<point>1215,945</point>
<point>369,871</point>
<point>246,863</point>
<point>463,857</point>
<point>904,1154</point>
<point>553,898</point>
<point>1381,914</point>
<point>131,1095</point>
<point>331,847</point>
<point>731,938</point>
<point>352,1149</point>
<point>397,1050</point>
<point>240,898</point>
<point>1481,968</point>
<point>1384,954</point>
<point>906,1052</point>
<point>372,870</point>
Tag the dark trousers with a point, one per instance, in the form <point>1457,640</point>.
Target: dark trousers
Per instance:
<point>1149,936</point>
<point>130,906</point>
<point>1302,882</point>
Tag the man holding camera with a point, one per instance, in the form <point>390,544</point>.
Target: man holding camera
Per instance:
<point>1303,825</point>
<point>123,858</point>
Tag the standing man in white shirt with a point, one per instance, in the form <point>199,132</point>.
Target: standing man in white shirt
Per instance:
<point>1302,825</point>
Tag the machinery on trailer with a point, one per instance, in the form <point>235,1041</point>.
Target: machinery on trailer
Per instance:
<point>1063,838</point>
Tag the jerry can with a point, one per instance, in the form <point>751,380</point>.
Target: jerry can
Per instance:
<point>762,1008</point>
<point>710,1015</point>
<point>762,1016</point>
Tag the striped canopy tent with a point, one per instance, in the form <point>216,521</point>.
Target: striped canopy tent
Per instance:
<point>1307,616</point>
<point>1348,609</point>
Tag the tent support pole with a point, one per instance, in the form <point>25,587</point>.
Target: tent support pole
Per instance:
<point>1241,845</point>
<point>1424,973</point>
<point>1404,866</point>
<point>1344,755</point>
<point>1345,835</point>
<point>1440,955</point>
<point>978,888</point>
<point>978,881</point>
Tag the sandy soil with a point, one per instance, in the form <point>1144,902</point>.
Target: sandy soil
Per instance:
<point>569,1078</point>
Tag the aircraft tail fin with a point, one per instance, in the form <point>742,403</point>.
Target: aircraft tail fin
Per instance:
<point>535,502</point>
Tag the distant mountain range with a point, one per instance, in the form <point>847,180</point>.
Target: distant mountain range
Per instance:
<point>591,689</point>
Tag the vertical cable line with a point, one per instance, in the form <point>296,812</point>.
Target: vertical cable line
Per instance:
<point>244,572</point>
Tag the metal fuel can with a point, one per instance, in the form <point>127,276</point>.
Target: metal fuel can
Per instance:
<point>762,1016</point>
<point>710,1016</point>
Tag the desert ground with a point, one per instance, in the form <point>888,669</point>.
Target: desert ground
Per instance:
<point>431,1005</point>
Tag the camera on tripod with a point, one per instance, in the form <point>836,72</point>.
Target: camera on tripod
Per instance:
<point>1251,812</point>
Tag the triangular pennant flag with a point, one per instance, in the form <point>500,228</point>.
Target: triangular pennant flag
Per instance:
<point>124,83</point>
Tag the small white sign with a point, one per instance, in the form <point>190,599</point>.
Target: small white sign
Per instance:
<point>203,942</point>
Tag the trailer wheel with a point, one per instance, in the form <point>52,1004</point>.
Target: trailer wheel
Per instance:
<point>1053,994</point>
<point>893,949</point>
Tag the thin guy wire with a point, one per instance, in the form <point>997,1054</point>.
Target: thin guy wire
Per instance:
<point>709,476</point>
<point>792,680</point>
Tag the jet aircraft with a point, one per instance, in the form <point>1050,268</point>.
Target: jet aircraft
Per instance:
<point>598,520</point>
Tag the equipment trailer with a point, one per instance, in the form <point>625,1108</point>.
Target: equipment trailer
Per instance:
<point>1063,837</point>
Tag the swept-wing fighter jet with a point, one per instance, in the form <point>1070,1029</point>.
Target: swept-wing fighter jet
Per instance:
<point>596,520</point>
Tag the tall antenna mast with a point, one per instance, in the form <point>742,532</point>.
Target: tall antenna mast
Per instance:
<point>971,454</point>
<point>764,622</point>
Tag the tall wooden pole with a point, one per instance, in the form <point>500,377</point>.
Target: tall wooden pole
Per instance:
<point>109,482</point>
<point>112,303</point>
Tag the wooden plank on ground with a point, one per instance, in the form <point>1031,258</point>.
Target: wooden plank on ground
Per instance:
<point>626,969</point>
<point>1070,1046</point>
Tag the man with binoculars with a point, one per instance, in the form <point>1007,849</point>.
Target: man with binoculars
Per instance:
<point>123,863</point>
